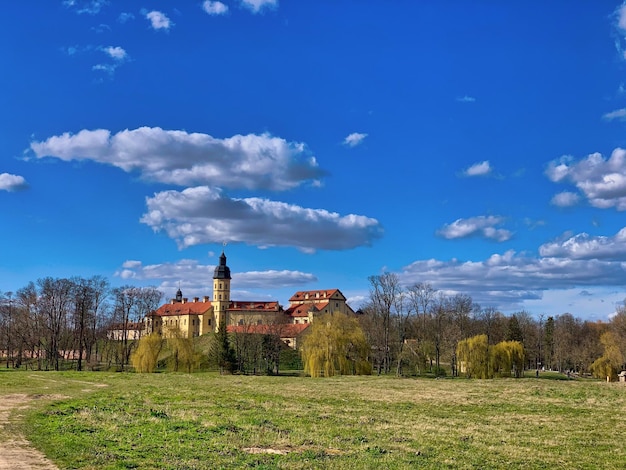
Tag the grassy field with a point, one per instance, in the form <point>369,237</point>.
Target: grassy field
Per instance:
<point>206,421</point>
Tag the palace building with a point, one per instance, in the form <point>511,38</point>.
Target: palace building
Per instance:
<point>198,317</point>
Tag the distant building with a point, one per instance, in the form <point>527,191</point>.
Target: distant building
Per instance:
<point>198,317</point>
<point>131,331</point>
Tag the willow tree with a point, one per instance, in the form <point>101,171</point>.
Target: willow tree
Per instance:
<point>335,345</point>
<point>612,359</point>
<point>507,357</point>
<point>182,352</point>
<point>473,356</point>
<point>145,357</point>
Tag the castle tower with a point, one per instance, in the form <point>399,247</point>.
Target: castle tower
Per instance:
<point>221,292</point>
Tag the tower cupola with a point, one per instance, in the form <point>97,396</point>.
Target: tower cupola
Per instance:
<point>222,271</point>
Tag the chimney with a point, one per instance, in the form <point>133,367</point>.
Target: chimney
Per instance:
<point>172,301</point>
<point>185,299</point>
<point>205,299</point>
<point>195,300</point>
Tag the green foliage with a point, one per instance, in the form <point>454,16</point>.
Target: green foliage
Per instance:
<point>507,357</point>
<point>222,353</point>
<point>473,356</point>
<point>335,345</point>
<point>610,362</point>
<point>480,361</point>
<point>514,332</point>
<point>145,357</point>
<point>182,354</point>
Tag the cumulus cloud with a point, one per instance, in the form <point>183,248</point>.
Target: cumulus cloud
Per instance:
<point>603,182</point>
<point>196,276</point>
<point>565,199</point>
<point>510,279</point>
<point>214,7</point>
<point>478,169</point>
<point>204,215</point>
<point>466,99</point>
<point>115,52</point>
<point>255,6</point>
<point>617,114</point>
<point>11,183</point>
<point>485,226</point>
<point>354,139</point>
<point>187,159</point>
<point>584,246</point>
<point>158,20</point>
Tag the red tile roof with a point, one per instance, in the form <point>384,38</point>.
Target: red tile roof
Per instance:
<point>286,330</point>
<point>248,305</point>
<point>304,309</point>
<point>301,296</point>
<point>179,308</point>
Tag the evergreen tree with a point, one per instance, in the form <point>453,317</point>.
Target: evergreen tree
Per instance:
<point>223,352</point>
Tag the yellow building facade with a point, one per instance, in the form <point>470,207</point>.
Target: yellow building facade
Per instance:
<point>197,317</point>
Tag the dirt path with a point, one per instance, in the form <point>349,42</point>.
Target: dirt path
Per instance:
<point>16,452</point>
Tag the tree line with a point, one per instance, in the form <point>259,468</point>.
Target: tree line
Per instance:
<point>78,322</point>
<point>56,320</point>
<point>418,329</point>
<point>406,330</point>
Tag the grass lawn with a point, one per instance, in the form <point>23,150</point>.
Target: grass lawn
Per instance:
<point>207,421</point>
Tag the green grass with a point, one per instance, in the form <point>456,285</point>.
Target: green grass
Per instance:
<point>207,421</point>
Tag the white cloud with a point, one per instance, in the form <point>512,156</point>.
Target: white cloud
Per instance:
<point>509,280</point>
<point>9,182</point>
<point>603,182</point>
<point>187,159</point>
<point>479,169</point>
<point>90,7</point>
<point>116,52</point>
<point>257,5</point>
<point>565,199</point>
<point>159,20</point>
<point>481,225</point>
<point>106,68</point>
<point>621,17</point>
<point>584,246</point>
<point>354,139</point>
<point>466,99</point>
<point>204,215</point>
<point>617,114</point>
<point>199,277</point>
<point>214,8</point>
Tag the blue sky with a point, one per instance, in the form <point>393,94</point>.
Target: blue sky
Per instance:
<point>477,146</point>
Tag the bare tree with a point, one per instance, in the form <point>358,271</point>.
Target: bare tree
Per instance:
<point>55,302</point>
<point>89,295</point>
<point>385,297</point>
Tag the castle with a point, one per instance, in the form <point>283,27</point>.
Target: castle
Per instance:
<point>198,317</point>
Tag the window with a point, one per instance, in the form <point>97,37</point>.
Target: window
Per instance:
<point>220,296</point>
<point>209,322</point>
<point>259,322</point>
<point>241,321</point>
